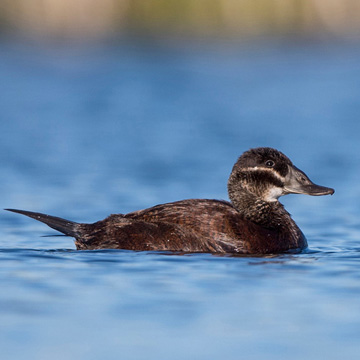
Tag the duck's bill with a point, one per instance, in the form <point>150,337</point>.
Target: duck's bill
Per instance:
<point>315,190</point>
<point>297,182</point>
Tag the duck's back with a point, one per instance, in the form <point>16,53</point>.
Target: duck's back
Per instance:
<point>189,225</point>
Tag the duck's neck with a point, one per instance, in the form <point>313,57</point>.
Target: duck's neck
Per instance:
<point>268,214</point>
<point>274,217</point>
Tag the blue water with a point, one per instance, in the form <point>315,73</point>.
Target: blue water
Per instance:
<point>86,131</point>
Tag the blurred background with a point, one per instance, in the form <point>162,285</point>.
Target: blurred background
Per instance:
<point>159,18</point>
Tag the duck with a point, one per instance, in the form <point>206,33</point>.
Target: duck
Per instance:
<point>252,222</point>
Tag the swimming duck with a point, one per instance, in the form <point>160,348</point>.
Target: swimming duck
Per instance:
<point>253,222</point>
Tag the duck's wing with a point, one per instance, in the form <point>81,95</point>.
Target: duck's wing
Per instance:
<point>184,212</point>
<point>206,219</point>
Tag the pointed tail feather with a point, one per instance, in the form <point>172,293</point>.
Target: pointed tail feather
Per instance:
<point>67,227</point>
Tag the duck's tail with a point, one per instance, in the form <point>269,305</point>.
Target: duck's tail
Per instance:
<point>67,227</point>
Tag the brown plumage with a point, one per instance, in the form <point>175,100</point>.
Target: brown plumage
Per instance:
<point>254,222</point>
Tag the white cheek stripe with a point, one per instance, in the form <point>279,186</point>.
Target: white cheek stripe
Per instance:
<point>277,175</point>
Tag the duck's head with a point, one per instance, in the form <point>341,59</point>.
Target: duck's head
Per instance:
<point>268,174</point>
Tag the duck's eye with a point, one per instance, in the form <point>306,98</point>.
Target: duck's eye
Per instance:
<point>270,163</point>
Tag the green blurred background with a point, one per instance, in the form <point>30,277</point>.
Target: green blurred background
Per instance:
<point>93,19</point>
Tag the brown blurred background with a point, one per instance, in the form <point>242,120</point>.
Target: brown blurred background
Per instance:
<point>160,18</point>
